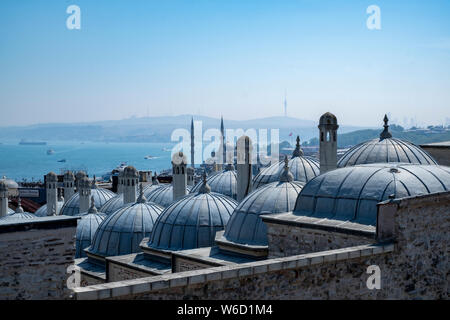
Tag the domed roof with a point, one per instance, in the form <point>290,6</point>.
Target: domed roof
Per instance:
<point>148,189</point>
<point>42,211</point>
<point>113,204</point>
<point>328,119</point>
<point>192,221</point>
<point>10,185</point>
<point>302,167</point>
<point>10,211</point>
<point>224,182</point>
<point>122,232</point>
<point>72,206</point>
<point>163,195</point>
<point>18,216</point>
<point>385,150</point>
<point>246,226</point>
<point>352,193</point>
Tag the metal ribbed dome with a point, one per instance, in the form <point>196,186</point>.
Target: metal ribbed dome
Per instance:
<point>163,195</point>
<point>352,193</point>
<point>18,216</point>
<point>42,211</point>
<point>148,189</point>
<point>122,232</point>
<point>113,204</point>
<point>72,206</point>
<point>385,150</point>
<point>192,221</point>
<point>223,182</point>
<point>245,225</point>
<point>87,226</point>
<point>10,211</point>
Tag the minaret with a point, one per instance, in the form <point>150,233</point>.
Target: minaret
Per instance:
<point>224,147</point>
<point>3,199</point>
<point>84,190</point>
<point>179,175</point>
<point>51,187</point>
<point>385,134</point>
<point>130,179</point>
<point>328,142</point>
<point>68,185</point>
<point>192,144</point>
<point>244,167</point>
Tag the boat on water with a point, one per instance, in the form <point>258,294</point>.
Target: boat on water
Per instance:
<point>149,157</point>
<point>166,149</point>
<point>62,160</point>
<point>50,151</point>
<point>25,142</point>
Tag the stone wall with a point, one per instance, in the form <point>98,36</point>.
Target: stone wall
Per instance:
<point>288,240</point>
<point>34,257</point>
<point>413,265</point>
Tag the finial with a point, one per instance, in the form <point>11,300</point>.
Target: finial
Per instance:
<point>205,188</point>
<point>94,183</point>
<point>19,208</point>
<point>141,198</point>
<point>298,152</point>
<point>155,180</point>
<point>286,176</point>
<point>385,134</point>
<point>92,208</point>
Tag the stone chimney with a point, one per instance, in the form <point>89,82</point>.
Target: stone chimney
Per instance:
<point>84,190</point>
<point>130,179</point>
<point>3,199</point>
<point>51,187</point>
<point>328,142</point>
<point>244,167</point>
<point>179,175</point>
<point>68,185</point>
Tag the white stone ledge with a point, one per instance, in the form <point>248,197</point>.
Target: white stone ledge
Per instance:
<point>181,279</point>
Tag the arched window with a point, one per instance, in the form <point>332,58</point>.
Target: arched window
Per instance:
<point>334,136</point>
<point>321,136</point>
<point>328,136</point>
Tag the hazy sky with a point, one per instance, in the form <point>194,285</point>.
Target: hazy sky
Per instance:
<point>230,57</point>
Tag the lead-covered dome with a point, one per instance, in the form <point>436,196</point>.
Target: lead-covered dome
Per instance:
<point>246,226</point>
<point>122,232</point>
<point>385,150</point>
<point>192,221</point>
<point>163,195</point>
<point>224,182</point>
<point>351,194</point>
<point>86,228</point>
<point>302,167</point>
<point>18,216</point>
<point>72,206</point>
<point>113,204</point>
<point>42,211</point>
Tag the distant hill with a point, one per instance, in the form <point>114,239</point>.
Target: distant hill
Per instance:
<point>156,129</point>
<point>417,137</point>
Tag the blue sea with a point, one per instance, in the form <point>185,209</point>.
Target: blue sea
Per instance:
<point>31,162</point>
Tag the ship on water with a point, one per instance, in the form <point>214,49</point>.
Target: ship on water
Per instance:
<point>32,143</point>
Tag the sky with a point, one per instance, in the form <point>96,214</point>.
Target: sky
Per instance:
<point>236,58</point>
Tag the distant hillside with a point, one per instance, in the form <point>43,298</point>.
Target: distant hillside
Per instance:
<point>156,129</point>
<point>417,137</point>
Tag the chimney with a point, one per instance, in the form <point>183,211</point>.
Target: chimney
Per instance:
<point>130,179</point>
<point>68,185</point>
<point>179,173</point>
<point>328,142</point>
<point>51,187</point>
<point>244,167</point>
<point>84,190</point>
<point>3,199</point>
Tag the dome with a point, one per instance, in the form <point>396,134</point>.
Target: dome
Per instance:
<point>192,221</point>
<point>18,216</point>
<point>86,228</point>
<point>163,195</point>
<point>42,211</point>
<point>352,193</point>
<point>328,119</point>
<point>246,226</point>
<point>385,150</point>
<point>224,182</point>
<point>10,211</point>
<point>72,205</point>
<point>302,167</point>
<point>122,232</point>
<point>148,189</point>
<point>11,185</point>
<point>113,204</point>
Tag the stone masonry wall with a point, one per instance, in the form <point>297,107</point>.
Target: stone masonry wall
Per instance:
<point>33,263</point>
<point>415,267</point>
<point>287,241</point>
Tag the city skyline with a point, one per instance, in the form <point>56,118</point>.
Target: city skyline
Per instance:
<point>238,59</point>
